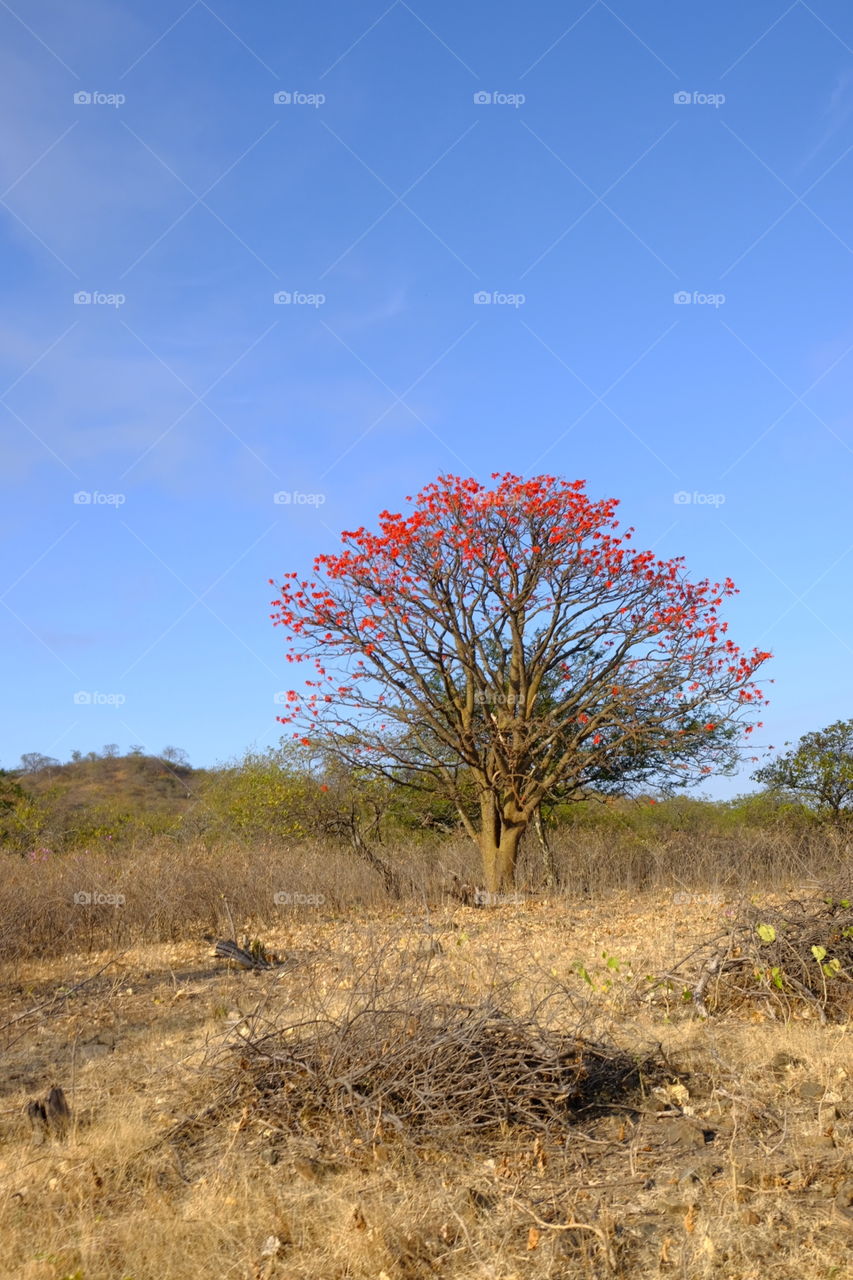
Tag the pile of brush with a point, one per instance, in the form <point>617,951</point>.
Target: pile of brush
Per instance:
<point>427,1071</point>
<point>797,958</point>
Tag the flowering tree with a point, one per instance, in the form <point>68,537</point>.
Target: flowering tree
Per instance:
<point>511,640</point>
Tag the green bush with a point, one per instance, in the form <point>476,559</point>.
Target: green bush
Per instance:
<point>263,796</point>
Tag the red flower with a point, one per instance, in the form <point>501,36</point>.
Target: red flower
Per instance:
<point>530,544</point>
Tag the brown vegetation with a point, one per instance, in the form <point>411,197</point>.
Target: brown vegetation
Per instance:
<point>169,890</point>
<point>429,1081</point>
<point>363,1110</point>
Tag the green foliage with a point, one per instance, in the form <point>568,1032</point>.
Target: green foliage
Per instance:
<point>604,974</point>
<point>114,821</point>
<point>24,823</point>
<point>264,795</point>
<point>832,967</point>
<point>769,808</point>
<point>11,792</point>
<point>290,792</point>
<point>93,799</point>
<point>819,771</point>
<point>426,810</point>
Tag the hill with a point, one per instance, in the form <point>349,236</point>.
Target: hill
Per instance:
<point>97,796</point>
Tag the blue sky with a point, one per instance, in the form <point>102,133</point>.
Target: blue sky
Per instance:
<point>625,154</point>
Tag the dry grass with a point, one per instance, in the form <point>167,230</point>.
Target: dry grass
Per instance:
<point>169,890</point>
<point>202,1146</point>
<point>790,957</point>
<point>163,892</point>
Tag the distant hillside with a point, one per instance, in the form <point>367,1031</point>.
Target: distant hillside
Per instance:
<point>48,803</point>
<point>141,782</point>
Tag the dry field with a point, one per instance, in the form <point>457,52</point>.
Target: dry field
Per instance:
<point>368,1108</point>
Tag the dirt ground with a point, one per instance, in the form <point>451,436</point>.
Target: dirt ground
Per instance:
<point>735,1161</point>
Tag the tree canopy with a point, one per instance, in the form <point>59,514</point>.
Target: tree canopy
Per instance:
<point>818,771</point>
<point>511,636</point>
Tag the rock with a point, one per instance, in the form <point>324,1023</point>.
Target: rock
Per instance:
<point>698,1172</point>
<point>51,1115</point>
<point>271,1247</point>
<point>782,1062</point>
<point>844,1204</point>
<point>646,1227</point>
<point>98,1047</point>
<point>480,1201</point>
<point>682,1132</point>
<point>314,1170</point>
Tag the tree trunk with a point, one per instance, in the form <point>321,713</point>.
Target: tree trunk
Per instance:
<point>549,865</point>
<point>387,872</point>
<point>499,844</point>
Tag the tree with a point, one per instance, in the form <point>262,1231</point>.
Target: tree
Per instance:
<point>34,762</point>
<point>174,755</point>
<point>818,771</point>
<point>512,637</point>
